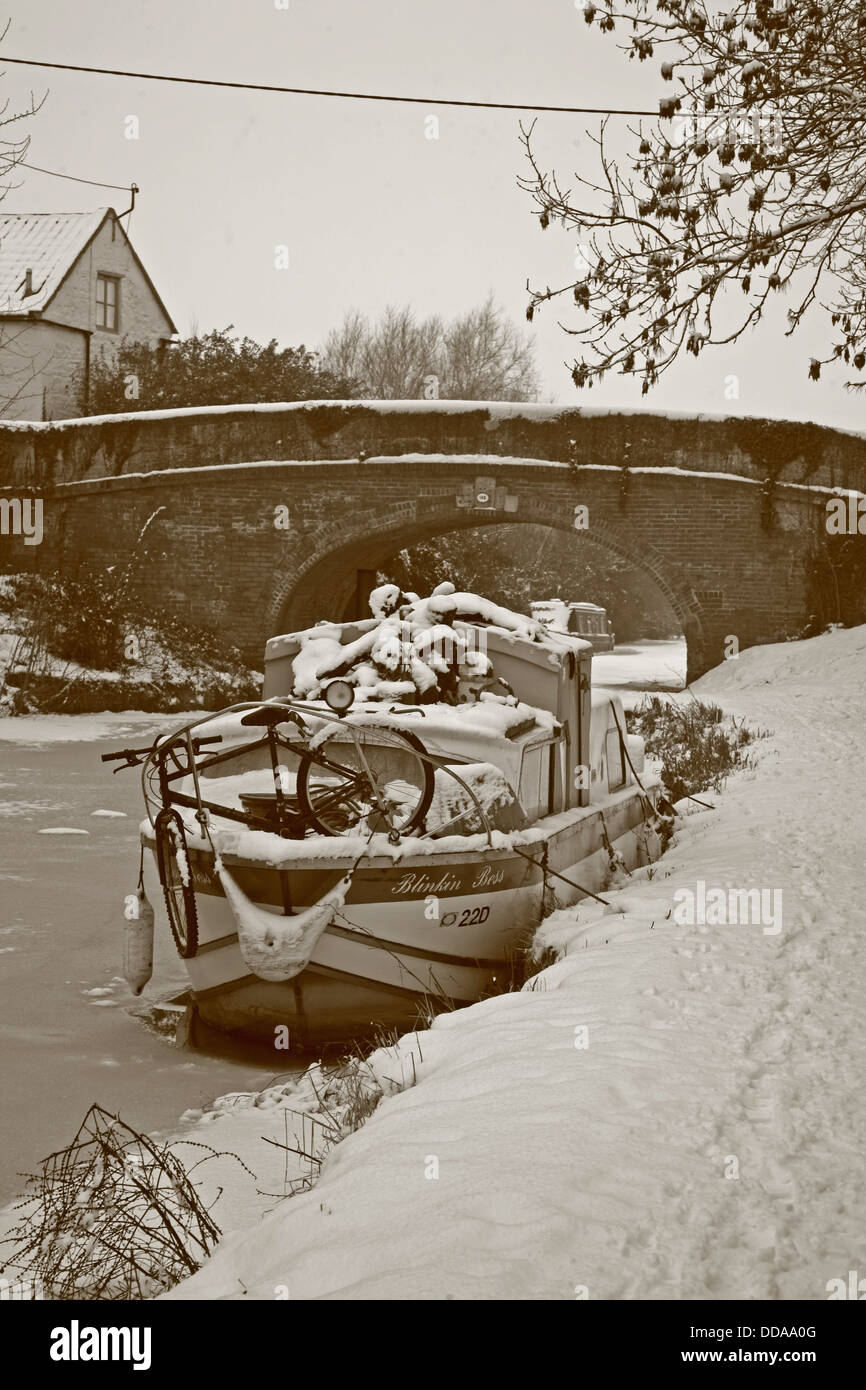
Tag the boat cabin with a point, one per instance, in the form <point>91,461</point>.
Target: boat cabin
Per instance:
<point>586,620</point>
<point>556,746</point>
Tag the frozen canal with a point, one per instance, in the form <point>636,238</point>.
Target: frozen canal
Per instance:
<point>642,666</point>
<point>68,1033</point>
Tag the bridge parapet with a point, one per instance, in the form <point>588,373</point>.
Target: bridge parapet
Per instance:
<point>40,456</point>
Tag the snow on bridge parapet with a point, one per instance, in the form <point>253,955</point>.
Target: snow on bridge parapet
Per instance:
<point>495,410</point>
<point>45,454</point>
<point>468,461</point>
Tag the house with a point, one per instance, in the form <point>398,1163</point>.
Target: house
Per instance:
<point>71,287</point>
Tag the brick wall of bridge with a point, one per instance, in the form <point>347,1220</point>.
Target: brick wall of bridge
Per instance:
<point>730,552</point>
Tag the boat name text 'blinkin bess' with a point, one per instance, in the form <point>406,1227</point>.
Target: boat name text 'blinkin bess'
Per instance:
<point>446,883</point>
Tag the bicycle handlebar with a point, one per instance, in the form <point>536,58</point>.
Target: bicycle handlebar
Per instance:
<point>134,755</point>
<point>128,753</point>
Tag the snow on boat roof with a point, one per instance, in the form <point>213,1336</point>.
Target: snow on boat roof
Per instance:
<point>564,603</point>
<point>422,652</point>
<point>492,718</point>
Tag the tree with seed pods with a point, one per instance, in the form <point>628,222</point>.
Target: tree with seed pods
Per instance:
<point>751,185</point>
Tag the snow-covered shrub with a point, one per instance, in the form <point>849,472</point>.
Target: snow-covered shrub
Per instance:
<point>114,1215</point>
<point>338,1099</point>
<point>86,641</point>
<point>696,743</point>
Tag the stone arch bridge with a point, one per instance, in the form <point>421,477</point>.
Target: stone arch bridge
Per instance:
<point>255,520</point>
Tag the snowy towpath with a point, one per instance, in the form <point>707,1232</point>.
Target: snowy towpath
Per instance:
<point>707,1141</point>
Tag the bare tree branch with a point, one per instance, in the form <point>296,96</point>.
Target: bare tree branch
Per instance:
<point>753,178</point>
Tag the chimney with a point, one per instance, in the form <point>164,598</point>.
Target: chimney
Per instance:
<point>28,282</point>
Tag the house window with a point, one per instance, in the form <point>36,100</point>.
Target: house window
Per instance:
<point>108,302</point>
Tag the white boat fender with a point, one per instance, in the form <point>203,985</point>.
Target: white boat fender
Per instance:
<point>275,947</point>
<point>650,842</point>
<point>137,939</point>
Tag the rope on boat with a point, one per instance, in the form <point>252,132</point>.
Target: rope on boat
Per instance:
<point>616,859</point>
<point>623,738</point>
<point>687,795</point>
<point>546,869</point>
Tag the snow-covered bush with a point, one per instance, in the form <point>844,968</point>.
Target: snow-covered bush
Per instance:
<point>114,1215</point>
<point>86,641</point>
<point>696,743</point>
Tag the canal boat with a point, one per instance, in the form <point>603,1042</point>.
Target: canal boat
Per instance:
<point>586,620</point>
<point>379,836</point>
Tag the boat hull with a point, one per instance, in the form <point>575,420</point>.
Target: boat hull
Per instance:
<point>436,930</point>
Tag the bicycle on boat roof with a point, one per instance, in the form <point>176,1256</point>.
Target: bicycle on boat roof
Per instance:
<point>350,778</point>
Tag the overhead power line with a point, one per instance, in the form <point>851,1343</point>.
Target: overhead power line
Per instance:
<point>320,92</point>
<point>94,183</point>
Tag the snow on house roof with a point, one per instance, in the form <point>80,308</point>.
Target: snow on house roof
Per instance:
<point>47,244</point>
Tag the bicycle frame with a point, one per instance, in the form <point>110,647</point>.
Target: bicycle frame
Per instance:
<point>155,774</point>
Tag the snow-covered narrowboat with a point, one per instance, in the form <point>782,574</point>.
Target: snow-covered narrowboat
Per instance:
<point>378,838</point>
<point>587,620</point>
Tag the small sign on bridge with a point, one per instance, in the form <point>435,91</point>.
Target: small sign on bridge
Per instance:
<point>484,496</point>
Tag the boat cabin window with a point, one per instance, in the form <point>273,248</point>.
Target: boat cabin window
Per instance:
<point>613,760</point>
<point>538,778</point>
<point>588,624</point>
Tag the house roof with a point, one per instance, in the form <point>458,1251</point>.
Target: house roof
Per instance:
<point>48,244</point>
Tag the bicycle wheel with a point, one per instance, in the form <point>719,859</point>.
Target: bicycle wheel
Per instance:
<point>176,879</point>
<point>362,779</point>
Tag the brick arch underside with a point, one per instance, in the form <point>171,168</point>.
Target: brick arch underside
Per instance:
<point>323,583</point>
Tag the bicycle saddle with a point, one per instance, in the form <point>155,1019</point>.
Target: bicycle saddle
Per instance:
<point>268,716</point>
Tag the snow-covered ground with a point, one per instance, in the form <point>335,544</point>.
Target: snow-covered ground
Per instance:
<point>672,1111</point>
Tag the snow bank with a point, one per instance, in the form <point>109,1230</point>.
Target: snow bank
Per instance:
<point>672,1109</point>
<point>818,666</point>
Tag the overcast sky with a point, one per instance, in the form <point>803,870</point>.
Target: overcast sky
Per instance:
<point>371,210</point>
